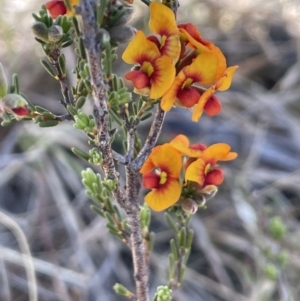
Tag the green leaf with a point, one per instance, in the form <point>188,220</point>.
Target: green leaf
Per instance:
<point>80,102</point>
<point>62,64</point>
<point>48,123</point>
<point>49,69</point>
<point>174,249</point>
<point>67,43</point>
<point>72,110</point>
<point>182,237</point>
<point>80,153</point>
<point>122,290</point>
<point>171,223</point>
<point>97,210</point>
<point>41,109</point>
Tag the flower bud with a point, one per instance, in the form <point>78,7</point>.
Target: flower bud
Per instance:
<point>40,31</point>
<point>189,206</point>
<point>15,104</point>
<point>55,33</point>
<point>3,82</point>
<point>163,293</point>
<point>209,191</point>
<point>122,34</point>
<point>95,156</point>
<point>103,36</point>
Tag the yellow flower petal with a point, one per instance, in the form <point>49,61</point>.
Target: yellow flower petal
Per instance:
<point>165,197</point>
<point>181,144</point>
<point>192,30</point>
<point>207,46</point>
<point>221,59</point>
<point>148,164</point>
<point>180,141</point>
<point>167,159</point>
<point>198,109</point>
<point>162,20</point>
<point>162,77</point>
<point>196,171</point>
<point>171,48</point>
<point>204,68</point>
<point>140,50</point>
<point>201,47</point>
<point>72,11</point>
<point>215,152</point>
<point>225,81</point>
<point>230,156</point>
<point>169,98</point>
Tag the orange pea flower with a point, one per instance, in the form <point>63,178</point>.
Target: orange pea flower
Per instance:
<point>155,73</point>
<point>203,171</point>
<point>223,77</point>
<point>160,174</point>
<point>208,102</point>
<point>204,65</point>
<point>192,38</point>
<point>58,8</point>
<point>182,92</point>
<point>155,57</point>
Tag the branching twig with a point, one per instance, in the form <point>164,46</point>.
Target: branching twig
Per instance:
<point>63,84</point>
<point>120,158</point>
<point>129,200</point>
<point>54,55</point>
<point>151,140</point>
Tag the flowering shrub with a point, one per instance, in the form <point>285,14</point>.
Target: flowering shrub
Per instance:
<point>174,66</point>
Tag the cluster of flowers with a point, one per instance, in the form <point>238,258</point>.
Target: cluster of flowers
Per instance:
<point>178,164</point>
<point>182,69</point>
<point>177,66</point>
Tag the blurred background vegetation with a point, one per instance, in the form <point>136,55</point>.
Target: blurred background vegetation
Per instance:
<point>247,240</point>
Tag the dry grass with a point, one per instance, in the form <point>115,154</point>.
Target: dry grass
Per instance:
<point>74,257</point>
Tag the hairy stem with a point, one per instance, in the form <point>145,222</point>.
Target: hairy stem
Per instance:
<point>128,201</point>
<point>137,245</point>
